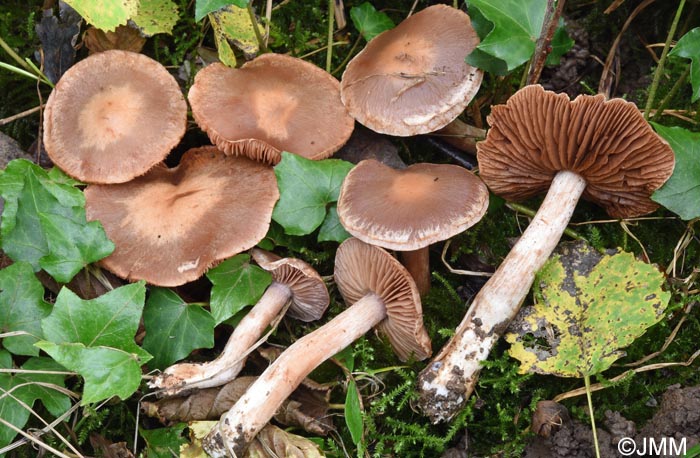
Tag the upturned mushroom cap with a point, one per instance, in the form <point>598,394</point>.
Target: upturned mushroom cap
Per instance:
<point>310,297</point>
<point>113,116</point>
<point>413,79</point>
<point>271,104</point>
<point>410,208</point>
<point>170,225</point>
<point>538,133</point>
<point>362,269</point>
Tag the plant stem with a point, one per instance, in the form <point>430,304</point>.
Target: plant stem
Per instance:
<point>662,60</point>
<point>258,35</point>
<point>331,17</point>
<point>542,49</point>
<point>531,213</point>
<point>587,381</point>
<point>14,55</point>
<point>677,85</point>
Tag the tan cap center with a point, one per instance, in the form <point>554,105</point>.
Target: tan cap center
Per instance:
<point>110,116</point>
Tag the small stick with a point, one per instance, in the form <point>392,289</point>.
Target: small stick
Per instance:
<point>20,115</point>
<point>543,47</point>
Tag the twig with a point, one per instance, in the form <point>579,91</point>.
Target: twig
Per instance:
<point>674,89</point>
<point>600,386</point>
<point>604,85</point>
<point>256,29</point>
<point>531,213</point>
<point>268,20</point>
<point>543,47</point>
<point>662,60</point>
<point>457,271</point>
<point>40,432</point>
<point>331,17</point>
<point>20,115</point>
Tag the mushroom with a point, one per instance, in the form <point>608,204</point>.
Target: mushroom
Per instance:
<point>382,294</point>
<point>413,79</point>
<point>271,104</point>
<point>113,116</point>
<point>294,281</point>
<point>603,150</point>
<point>170,225</point>
<point>408,209</point>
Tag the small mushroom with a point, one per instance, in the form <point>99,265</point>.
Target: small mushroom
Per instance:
<point>413,79</point>
<point>170,225</point>
<point>602,150</point>
<point>113,116</point>
<point>382,294</point>
<point>408,209</point>
<point>293,280</point>
<point>271,104</point>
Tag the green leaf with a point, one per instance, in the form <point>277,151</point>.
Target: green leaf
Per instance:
<point>164,442</point>
<point>156,16</point>
<point>688,47</point>
<point>232,26</point>
<point>95,338</point>
<point>174,328</point>
<point>681,193</point>
<point>331,229</point>
<point>353,413</point>
<point>478,58</point>
<point>561,44</point>
<point>105,14</point>
<point>516,26</point>
<point>107,371</point>
<point>25,387</point>
<point>368,21</point>
<point>204,7</point>
<point>307,187</point>
<point>588,306</point>
<point>236,284</point>
<point>22,307</point>
<point>44,223</point>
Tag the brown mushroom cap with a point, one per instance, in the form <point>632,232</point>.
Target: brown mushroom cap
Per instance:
<point>170,225</point>
<point>113,116</point>
<point>410,208</point>
<point>310,297</point>
<point>413,79</point>
<point>271,104</point>
<point>362,269</point>
<point>538,133</point>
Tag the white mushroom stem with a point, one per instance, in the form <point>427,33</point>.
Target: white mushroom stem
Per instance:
<point>448,381</point>
<point>417,262</point>
<point>180,378</point>
<point>234,431</point>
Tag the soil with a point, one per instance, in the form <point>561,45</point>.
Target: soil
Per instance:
<point>677,417</point>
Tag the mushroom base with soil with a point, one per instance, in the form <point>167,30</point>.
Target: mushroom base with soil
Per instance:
<point>448,381</point>
<point>182,378</point>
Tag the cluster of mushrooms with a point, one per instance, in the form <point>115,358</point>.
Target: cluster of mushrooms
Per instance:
<point>115,116</point>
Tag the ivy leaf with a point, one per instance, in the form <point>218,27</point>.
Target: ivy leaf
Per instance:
<point>561,44</point>
<point>155,16</point>
<point>307,187</point>
<point>681,193</point>
<point>353,413</point>
<point>331,229</point>
<point>370,22</point>
<point>95,338</point>
<point>588,306</point>
<point>237,283</point>
<point>688,47</point>
<point>22,307</point>
<point>107,371</point>
<point>174,328</point>
<point>232,26</point>
<point>105,14</point>
<point>204,7</point>
<point>26,387</point>
<point>516,26</point>
<point>164,442</point>
<point>44,223</point>
<point>478,58</point>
